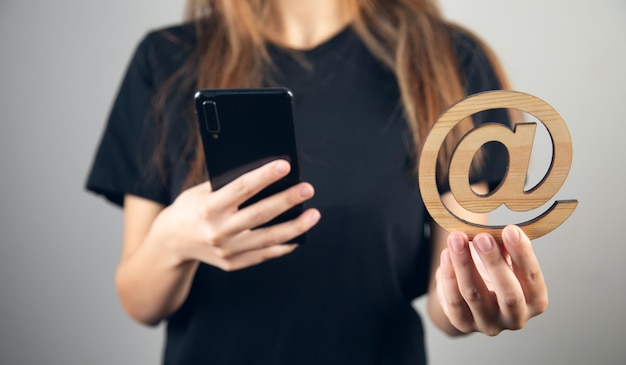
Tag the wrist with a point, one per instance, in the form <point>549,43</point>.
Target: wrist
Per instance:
<point>163,244</point>
<point>160,250</point>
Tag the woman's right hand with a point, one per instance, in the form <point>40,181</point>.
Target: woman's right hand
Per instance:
<point>209,227</point>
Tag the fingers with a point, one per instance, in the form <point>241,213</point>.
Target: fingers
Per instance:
<point>223,235</point>
<point>526,269</point>
<point>259,239</point>
<point>268,208</point>
<point>452,302</point>
<point>470,288</point>
<point>516,290</point>
<point>251,258</point>
<point>232,244</point>
<point>508,291</point>
<point>254,247</point>
<point>247,185</point>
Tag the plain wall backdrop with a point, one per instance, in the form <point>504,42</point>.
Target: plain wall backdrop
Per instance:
<point>60,66</point>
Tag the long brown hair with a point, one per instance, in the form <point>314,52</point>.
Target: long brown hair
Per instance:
<point>410,37</point>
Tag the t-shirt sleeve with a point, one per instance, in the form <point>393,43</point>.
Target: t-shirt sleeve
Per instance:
<point>122,161</point>
<point>480,76</point>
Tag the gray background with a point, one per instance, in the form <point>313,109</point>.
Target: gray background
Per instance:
<point>60,66</point>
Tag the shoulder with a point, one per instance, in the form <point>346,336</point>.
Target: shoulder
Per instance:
<point>476,61</point>
<point>162,51</point>
<point>171,38</point>
<point>469,48</point>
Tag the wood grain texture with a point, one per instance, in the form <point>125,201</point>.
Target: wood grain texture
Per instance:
<point>510,192</point>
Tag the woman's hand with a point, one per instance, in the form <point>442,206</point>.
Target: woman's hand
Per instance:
<point>486,287</point>
<point>208,226</point>
<point>163,245</point>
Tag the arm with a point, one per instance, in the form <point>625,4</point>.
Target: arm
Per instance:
<point>150,282</point>
<point>164,245</point>
<point>481,286</point>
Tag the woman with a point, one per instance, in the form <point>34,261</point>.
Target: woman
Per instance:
<point>369,78</point>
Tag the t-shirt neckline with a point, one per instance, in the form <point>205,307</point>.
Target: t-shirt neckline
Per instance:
<point>330,44</point>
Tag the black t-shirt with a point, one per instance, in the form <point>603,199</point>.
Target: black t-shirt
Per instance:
<point>345,296</point>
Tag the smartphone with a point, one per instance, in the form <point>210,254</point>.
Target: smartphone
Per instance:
<point>243,129</point>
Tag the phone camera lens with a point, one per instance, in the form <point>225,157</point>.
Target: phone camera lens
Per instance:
<point>211,119</point>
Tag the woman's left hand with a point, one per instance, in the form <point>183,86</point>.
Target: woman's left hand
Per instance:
<point>486,287</point>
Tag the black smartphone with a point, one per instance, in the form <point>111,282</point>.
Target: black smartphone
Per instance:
<point>243,129</point>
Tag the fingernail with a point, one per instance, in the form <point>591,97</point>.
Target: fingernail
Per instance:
<point>306,191</point>
<point>281,167</point>
<point>483,243</point>
<point>457,243</point>
<point>511,234</point>
<point>314,217</point>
